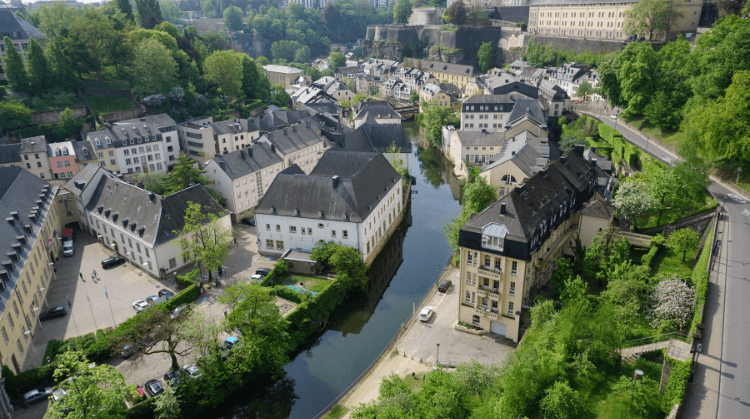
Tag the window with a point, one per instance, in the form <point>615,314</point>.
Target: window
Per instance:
<point>333,233</point>
<point>345,234</point>
<point>469,258</point>
<point>303,231</point>
<point>475,319</point>
<point>514,268</point>
<point>111,153</point>
<point>512,288</point>
<point>510,308</point>
<point>5,335</point>
<point>293,229</point>
<point>468,297</point>
<point>269,244</point>
<point>172,263</point>
<point>20,348</point>
<point>112,162</point>
<point>15,308</point>
<point>268,227</point>
<point>487,261</point>
<point>59,164</point>
<point>498,263</point>
<point>67,163</point>
<point>279,245</point>
<point>278,228</point>
<point>10,323</point>
<point>38,164</point>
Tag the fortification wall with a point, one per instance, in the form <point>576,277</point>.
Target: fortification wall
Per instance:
<point>579,45</point>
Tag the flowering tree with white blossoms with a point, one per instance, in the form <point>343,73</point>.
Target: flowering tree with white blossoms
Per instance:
<point>673,300</point>
<point>633,201</point>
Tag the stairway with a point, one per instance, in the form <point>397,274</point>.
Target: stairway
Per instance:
<point>630,355</point>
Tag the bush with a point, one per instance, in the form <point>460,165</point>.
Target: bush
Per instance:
<point>13,116</point>
<point>57,132</point>
<point>52,349</point>
<point>676,384</point>
<point>279,272</point>
<point>648,258</point>
<point>143,410</point>
<point>35,377</point>
<point>188,295</point>
<point>699,281</point>
<point>289,294</point>
<point>187,280</point>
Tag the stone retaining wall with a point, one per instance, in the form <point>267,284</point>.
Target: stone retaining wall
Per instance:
<point>53,116</point>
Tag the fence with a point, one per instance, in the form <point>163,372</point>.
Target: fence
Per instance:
<point>387,347</point>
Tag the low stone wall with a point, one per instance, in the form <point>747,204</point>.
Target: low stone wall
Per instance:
<point>469,330</point>
<point>53,116</point>
<point>580,45</point>
<point>122,115</point>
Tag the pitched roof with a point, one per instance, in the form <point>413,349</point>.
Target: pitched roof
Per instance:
<point>11,23</point>
<point>249,160</point>
<point>282,69</point>
<point>301,135</point>
<point>36,144</point>
<point>528,160</point>
<point>236,126</point>
<point>64,148</point>
<point>457,69</point>
<point>20,193</point>
<point>10,153</point>
<point>599,209</point>
<point>78,149</point>
<point>527,108</point>
<point>374,109</point>
<point>273,120</point>
<point>363,180</point>
<point>577,2</point>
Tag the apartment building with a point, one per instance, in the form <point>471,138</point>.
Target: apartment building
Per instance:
<point>29,248</point>
<point>516,162</point>
<point>350,197</point>
<point>458,74</point>
<point>593,19</point>
<point>62,159</point>
<point>197,138</point>
<point>334,88</point>
<point>30,154</point>
<point>235,134</point>
<point>374,112</point>
<point>283,75</point>
<point>19,31</point>
<point>241,177</point>
<point>141,145</point>
<point>486,112</point>
<point>137,224</point>
<point>435,94</point>
<point>509,250</point>
<point>301,144</point>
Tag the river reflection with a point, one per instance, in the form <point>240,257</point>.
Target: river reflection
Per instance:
<point>360,328</point>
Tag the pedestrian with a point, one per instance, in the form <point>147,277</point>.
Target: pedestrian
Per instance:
<point>94,272</point>
<point>81,273</point>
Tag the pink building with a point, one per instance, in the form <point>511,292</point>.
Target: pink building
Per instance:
<point>62,160</point>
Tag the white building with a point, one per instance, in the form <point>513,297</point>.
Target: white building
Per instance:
<point>137,224</point>
<point>204,137</point>
<point>351,198</point>
<point>242,176</point>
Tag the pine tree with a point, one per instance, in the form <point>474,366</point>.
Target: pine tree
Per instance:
<point>149,13</point>
<point>183,175</point>
<point>62,74</point>
<point>40,79</point>
<point>14,69</point>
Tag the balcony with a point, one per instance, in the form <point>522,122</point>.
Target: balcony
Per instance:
<point>490,272</point>
<point>486,312</point>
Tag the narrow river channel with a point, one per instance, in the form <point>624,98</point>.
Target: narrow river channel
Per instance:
<point>360,328</point>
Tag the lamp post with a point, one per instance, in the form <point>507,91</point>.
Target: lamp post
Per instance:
<point>45,297</point>
<point>52,264</point>
<point>28,332</point>
<point>616,116</point>
<point>34,310</point>
<point>438,355</point>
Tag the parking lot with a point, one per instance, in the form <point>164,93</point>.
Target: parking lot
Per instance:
<point>91,309</point>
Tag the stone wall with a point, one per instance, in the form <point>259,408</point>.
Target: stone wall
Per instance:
<point>53,116</point>
<point>579,45</point>
<point>96,91</point>
<point>122,115</point>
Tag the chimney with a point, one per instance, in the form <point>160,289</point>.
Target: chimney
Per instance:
<point>563,159</point>
<point>151,197</point>
<point>294,128</point>
<point>273,148</point>
<point>335,181</point>
<point>502,208</point>
<point>11,221</point>
<point>250,152</point>
<point>593,162</point>
<point>520,188</point>
<point>579,149</point>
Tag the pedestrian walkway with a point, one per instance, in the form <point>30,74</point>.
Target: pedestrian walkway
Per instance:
<point>630,355</point>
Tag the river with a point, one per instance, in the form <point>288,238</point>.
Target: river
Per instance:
<point>360,328</point>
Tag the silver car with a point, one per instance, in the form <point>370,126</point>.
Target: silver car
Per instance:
<point>36,395</point>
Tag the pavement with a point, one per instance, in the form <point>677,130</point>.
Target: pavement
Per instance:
<point>416,350</point>
<point>721,387</point>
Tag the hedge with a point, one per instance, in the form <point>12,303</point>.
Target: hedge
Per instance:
<point>188,295</point>
<point>700,282</point>
<point>35,377</point>
<point>143,410</point>
<point>648,258</point>
<point>249,107</point>
<point>677,383</point>
<point>288,294</point>
<point>303,321</point>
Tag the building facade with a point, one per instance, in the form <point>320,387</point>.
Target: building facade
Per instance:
<point>62,159</point>
<point>20,32</point>
<point>282,74</point>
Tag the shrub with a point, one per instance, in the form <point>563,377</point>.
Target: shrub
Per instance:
<point>188,295</point>
<point>143,410</point>
<point>35,377</point>
<point>187,280</point>
<point>700,282</point>
<point>288,294</point>
<point>676,384</point>
<point>52,349</point>
<point>648,258</point>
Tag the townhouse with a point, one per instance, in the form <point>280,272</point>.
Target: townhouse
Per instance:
<point>458,74</point>
<point>283,75</point>
<point>301,144</point>
<point>20,32</point>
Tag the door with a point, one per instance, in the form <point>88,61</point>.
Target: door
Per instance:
<point>497,328</point>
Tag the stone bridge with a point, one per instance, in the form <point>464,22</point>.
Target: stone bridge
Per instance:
<point>635,239</point>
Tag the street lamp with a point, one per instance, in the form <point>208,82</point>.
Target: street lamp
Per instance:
<point>52,264</point>
<point>45,297</point>
<point>616,116</point>
<point>438,355</point>
<point>37,316</point>
<point>28,332</point>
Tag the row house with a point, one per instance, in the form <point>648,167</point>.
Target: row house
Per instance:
<point>374,112</point>
<point>457,74</point>
<point>435,94</point>
<point>509,250</point>
<point>30,154</point>
<point>415,78</point>
<point>137,224</point>
<point>301,144</point>
<point>241,177</point>
<point>351,198</point>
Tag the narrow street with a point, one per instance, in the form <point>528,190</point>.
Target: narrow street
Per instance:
<point>721,387</point>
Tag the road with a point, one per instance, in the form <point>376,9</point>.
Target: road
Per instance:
<point>721,386</point>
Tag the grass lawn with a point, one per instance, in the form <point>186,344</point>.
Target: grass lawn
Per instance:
<point>312,283</point>
<point>596,392</point>
<point>668,262</point>
<point>415,383</point>
<point>106,104</point>
<point>337,412</point>
<point>41,105</point>
<point>670,138</point>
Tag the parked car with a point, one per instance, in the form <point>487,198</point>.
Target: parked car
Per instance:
<point>153,388</point>
<point>153,300</point>
<point>172,378</point>
<point>444,285</point>
<point>256,279</point>
<point>112,262</point>
<point>262,271</point>
<point>36,395</point>
<point>613,116</point>
<point>229,343</point>
<point>57,394</point>
<point>249,221</point>
<point>177,311</point>
<point>53,313</point>
<point>68,249</point>
<point>426,314</point>
<point>130,350</point>
<point>67,235</point>
<point>140,305</point>
<point>166,293</point>
<point>192,371</point>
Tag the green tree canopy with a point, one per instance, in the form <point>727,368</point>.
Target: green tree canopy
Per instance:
<point>402,11</point>
<point>233,18</point>
<point>183,174</point>
<point>149,13</point>
<point>683,240</point>
<point>456,13</point>
<point>14,69</point>
<point>279,96</point>
<point>125,7</point>
<point>336,60</point>
<point>486,57</point>
<point>222,68</point>
<point>40,76</point>
<point>204,239</point>
<point>154,69</point>
<point>14,116</point>
<point>633,200</point>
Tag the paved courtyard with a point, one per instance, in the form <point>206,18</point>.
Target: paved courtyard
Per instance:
<point>91,310</point>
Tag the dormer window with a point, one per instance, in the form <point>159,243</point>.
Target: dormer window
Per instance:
<point>124,142</point>
<point>132,141</point>
<point>493,236</point>
<point>99,143</point>
<point>108,140</point>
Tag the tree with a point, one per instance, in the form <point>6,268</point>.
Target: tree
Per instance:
<point>477,196</point>
<point>434,117</point>
<point>414,96</point>
<point>125,7</point>
<point>201,332</point>
<point>222,68</point>
<point>649,16</point>
<point>153,182</point>
<point>92,36</point>
<point>638,74</point>
<point>95,392</point>
<point>279,96</point>
<point>683,240</point>
<point>673,301</point>
<point>638,394</point>
<point>14,69</point>
<point>721,125</point>
<point>561,402</point>
<point>149,13</point>
<point>402,11</point>
<point>394,158</point>
<point>161,334</point>
<point>204,239</point>
<point>170,13</point>
<point>183,174</point>
<point>154,69</point>
<point>486,57</point>
<point>63,76</point>
<point>662,112</point>
<point>168,404</point>
<point>233,18</point>
<point>633,200</point>
<point>40,76</point>
<point>336,60</point>
<point>456,13</point>
<point>14,116</point>
<point>262,61</point>
<point>607,250</point>
<point>569,142</point>
<point>584,89</point>
<point>253,310</point>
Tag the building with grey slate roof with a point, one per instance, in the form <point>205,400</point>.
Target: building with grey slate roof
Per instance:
<point>30,154</point>
<point>377,138</point>
<point>350,197</point>
<point>509,250</point>
<point>19,31</point>
<point>137,224</point>
<point>241,177</point>
<point>516,162</point>
<point>301,144</point>
<point>374,112</point>
<point>28,245</point>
